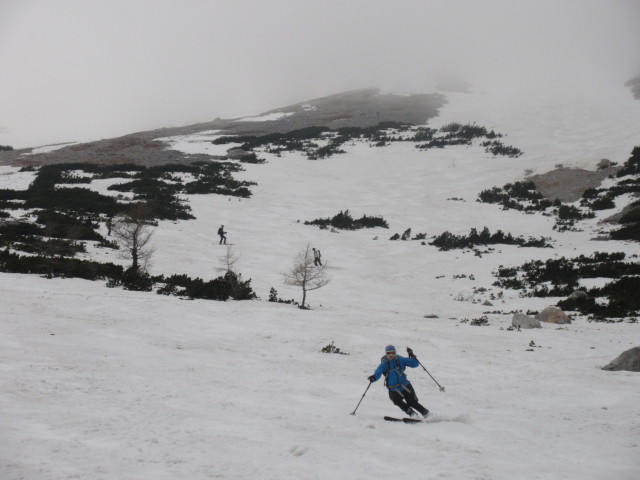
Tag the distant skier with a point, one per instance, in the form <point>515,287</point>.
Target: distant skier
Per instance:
<point>222,233</point>
<point>316,257</point>
<point>109,224</point>
<point>401,391</point>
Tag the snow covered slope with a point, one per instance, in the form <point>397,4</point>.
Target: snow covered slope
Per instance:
<point>102,383</point>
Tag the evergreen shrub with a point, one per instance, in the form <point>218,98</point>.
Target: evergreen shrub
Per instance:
<point>560,277</point>
<point>230,285</point>
<point>448,241</point>
<point>57,267</point>
<point>344,221</point>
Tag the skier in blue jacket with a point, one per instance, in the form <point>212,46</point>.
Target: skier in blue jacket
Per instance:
<point>401,391</point>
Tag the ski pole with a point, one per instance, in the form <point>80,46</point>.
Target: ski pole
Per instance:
<point>411,355</point>
<point>441,387</point>
<point>365,392</point>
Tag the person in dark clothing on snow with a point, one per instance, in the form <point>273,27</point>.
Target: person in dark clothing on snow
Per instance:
<point>222,233</point>
<point>401,391</point>
<point>316,257</point>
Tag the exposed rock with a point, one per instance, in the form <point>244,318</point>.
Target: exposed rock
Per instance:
<point>568,184</point>
<point>553,315</point>
<point>628,360</point>
<point>237,153</point>
<point>578,296</point>
<point>604,163</point>
<point>615,218</point>
<point>525,321</point>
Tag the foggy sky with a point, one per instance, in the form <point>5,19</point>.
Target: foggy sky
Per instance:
<point>78,70</point>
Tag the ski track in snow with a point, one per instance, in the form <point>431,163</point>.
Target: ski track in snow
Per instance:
<point>102,383</point>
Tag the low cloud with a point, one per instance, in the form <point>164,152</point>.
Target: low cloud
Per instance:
<point>80,70</point>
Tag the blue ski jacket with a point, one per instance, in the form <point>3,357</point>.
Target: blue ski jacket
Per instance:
<point>396,379</point>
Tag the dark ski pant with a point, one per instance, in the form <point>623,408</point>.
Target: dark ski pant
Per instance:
<point>223,239</point>
<point>406,400</point>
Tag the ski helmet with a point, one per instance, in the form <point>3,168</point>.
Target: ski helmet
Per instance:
<point>390,348</point>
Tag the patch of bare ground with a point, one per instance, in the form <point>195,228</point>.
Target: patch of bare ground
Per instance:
<point>358,108</point>
<point>568,184</point>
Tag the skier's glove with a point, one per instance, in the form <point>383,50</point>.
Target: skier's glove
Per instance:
<point>410,353</point>
<point>372,378</point>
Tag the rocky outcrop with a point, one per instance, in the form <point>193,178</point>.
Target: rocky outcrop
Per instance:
<point>553,315</point>
<point>628,360</point>
<point>578,296</point>
<point>568,184</point>
<point>237,154</point>
<point>605,163</point>
<point>525,321</point>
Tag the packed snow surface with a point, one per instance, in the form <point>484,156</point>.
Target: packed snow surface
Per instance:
<point>201,143</point>
<point>101,383</point>
<point>266,117</point>
<point>48,148</point>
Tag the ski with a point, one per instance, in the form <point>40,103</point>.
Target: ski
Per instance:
<point>411,420</point>
<point>405,420</point>
<point>392,419</point>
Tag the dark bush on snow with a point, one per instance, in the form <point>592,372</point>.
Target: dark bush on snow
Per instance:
<point>344,221</point>
<point>632,165</point>
<point>58,267</point>
<point>230,285</point>
<point>630,232</point>
<point>132,279</point>
<point>273,297</point>
<point>449,241</point>
<point>560,277</point>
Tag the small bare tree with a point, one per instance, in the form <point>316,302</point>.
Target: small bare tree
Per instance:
<point>133,234</point>
<point>228,261</point>
<point>228,269</point>
<point>305,274</point>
